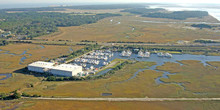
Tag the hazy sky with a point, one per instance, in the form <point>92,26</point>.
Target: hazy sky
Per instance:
<point>109,1</point>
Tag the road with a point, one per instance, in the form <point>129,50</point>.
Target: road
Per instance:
<point>131,99</point>
<point>70,43</point>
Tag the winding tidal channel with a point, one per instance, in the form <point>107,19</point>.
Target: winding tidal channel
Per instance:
<point>159,62</point>
<point>23,55</point>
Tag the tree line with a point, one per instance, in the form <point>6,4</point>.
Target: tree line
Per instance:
<point>34,24</point>
<point>201,26</point>
<point>162,13</point>
<point>3,42</point>
<point>143,11</point>
<point>206,41</point>
<point>179,15</point>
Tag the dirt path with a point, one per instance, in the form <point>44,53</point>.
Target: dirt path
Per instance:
<point>131,99</point>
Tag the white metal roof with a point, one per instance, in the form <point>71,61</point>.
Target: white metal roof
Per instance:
<point>42,64</point>
<point>66,67</point>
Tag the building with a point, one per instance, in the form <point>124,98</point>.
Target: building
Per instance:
<point>40,66</point>
<point>66,70</point>
<point>58,70</point>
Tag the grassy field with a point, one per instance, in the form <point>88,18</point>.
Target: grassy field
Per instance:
<point>93,88</point>
<point>11,63</point>
<point>1,77</point>
<point>103,105</point>
<point>196,77</point>
<point>198,80</point>
<point>33,53</point>
<point>143,85</point>
<point>105,30</point>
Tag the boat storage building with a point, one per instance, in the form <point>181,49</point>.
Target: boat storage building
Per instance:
<point>66,70</point>
<point>58,70</point>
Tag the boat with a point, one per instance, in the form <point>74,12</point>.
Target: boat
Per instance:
<point>91,67</point>
<point>96,62</point>
<point>143,55</point>
<point>146,54</point>
<point>123,53</point>
<point>105,58</point>
<point>84,65</point>
<point>129,52</point>
<point>105,63</point>
<point>161,54</point>
<point>168,55</point>
<point>140,54</point>
<point>126,54</point>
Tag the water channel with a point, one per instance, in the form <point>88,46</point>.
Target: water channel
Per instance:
<point>7,75</point>
<point>160,61</point>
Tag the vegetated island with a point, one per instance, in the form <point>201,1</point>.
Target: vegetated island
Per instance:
<point>201,26</point>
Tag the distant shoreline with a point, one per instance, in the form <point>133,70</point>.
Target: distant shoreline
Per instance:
<point>213,11</point>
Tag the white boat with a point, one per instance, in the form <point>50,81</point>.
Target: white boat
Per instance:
<point>96,62</point>
<point>105,58</point>
<point>168,55</point>
<point>123,53</point>
<point>105,63</point>
<point>140,54</point>
<point>146,54</point>
<point>126,54</point>
<point>91,67</point>
<point>161,54</point>
<point>84,65</point>
<point>129,52</point>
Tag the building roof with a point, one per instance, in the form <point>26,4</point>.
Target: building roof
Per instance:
<point>42,64</point>
<point>66,67</point>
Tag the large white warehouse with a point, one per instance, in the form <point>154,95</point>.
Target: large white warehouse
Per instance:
<point>40,66</point>
<point>66,70</point>
<point>59,70</point>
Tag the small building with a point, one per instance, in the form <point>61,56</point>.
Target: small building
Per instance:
<point>67,70</point>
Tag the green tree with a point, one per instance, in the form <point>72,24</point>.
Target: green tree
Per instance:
<point>15,95</point>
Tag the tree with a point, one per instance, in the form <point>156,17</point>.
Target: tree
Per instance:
<point>3,96</point>
<point>51,78</point>
<point>15,95</point>
<point>25,94</point>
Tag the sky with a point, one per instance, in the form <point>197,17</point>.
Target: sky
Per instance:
<point>107,1</point>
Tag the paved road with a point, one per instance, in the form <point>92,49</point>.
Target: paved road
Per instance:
<point>131,99</point>
<point>70,43</point>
